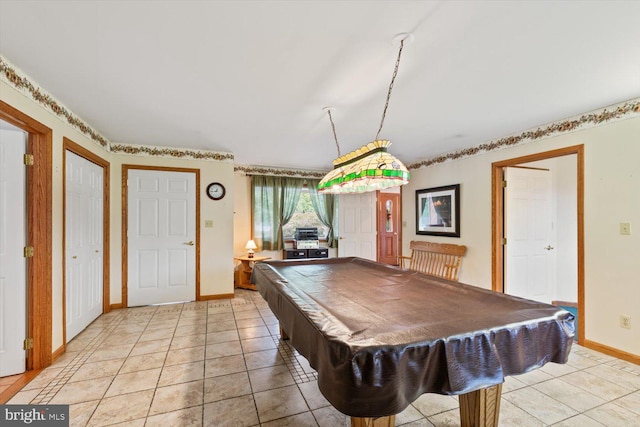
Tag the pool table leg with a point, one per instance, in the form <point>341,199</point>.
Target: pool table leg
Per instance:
<point>389,421</point>
<point>480,408</point>
<point>283,334</point>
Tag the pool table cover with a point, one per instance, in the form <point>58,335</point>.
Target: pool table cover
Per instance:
<point>380,336</point>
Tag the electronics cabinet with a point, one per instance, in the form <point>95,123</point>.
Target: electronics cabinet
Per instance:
<point>305,253</point>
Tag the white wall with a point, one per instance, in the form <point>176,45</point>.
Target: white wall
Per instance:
<point>564,171</point>
<point>612,179</point>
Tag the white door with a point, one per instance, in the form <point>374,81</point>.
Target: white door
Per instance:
<point>13,304</point>
<point>357,225</point>
<point>84,190</point>
<point>161,235</point>
<point>529,256</point>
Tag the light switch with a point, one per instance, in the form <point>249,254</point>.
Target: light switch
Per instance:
<point>625,228</point>
<point>208,223</point>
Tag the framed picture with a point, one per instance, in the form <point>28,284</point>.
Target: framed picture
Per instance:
<point>438,211</point>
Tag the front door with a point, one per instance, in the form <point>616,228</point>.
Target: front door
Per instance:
<point>13,303</point>
<point>161,246</point>
<point>529,266</point>
<point>357,225</point>
<point>388,227</point>
<point>84,234</point>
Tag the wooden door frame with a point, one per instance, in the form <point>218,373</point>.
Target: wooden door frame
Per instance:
<point>75,148</point>
<point>39,234</point>
<point>125,243</point>
<point>497,221</point>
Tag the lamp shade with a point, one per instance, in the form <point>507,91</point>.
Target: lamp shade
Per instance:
<point>368,168</point>
<point>251,245</point>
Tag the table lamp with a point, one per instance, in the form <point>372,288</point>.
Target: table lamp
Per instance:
<point>251,245</point>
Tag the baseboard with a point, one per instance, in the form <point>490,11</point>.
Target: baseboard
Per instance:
<point>115,306</point>
<point>214,297</point>
<point>59,352</point>
<point>629,357</point>
<point>14,388</point>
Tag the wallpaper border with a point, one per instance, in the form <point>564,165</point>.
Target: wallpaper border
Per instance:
<point>179,153</point>
<point>616,112</point>
<point>15,77</point>
<point>264,170</point>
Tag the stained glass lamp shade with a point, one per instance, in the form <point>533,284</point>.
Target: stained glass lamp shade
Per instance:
<point>368,168</point>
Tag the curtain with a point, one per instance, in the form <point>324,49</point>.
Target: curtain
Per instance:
<point>273,202</point>
<point>265,205</point>
<point>291,188</point>
<point>324,205</point>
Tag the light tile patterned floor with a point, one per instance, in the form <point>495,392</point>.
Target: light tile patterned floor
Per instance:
<point>221,363</point>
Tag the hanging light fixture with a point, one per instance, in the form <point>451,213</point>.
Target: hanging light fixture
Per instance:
<point>370,167</point>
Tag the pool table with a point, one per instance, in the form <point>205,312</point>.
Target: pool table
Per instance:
<point>380,336</point>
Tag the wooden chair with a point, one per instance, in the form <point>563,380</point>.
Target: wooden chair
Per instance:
<point>437,259</point>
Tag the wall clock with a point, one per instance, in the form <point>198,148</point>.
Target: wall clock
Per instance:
<point>216,191</point>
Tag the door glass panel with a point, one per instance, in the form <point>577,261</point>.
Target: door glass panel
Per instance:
<point>389,222</point>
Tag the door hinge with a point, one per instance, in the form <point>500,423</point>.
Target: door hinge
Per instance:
<point>28,159</point>
<point>504,184</point>
<point>504,241</point>
<point>28,344</point>
<point>28,251</point>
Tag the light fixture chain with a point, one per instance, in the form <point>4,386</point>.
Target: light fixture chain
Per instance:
<point>333,127</point>
<point>393,78</point>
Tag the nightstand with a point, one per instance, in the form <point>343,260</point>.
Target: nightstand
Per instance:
<point>242,274</point>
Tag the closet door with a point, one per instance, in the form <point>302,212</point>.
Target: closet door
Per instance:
<point>84,201</point>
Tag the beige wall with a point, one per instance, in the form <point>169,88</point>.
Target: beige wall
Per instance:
<point>242,213</point>
<point>216,257</point>
<point>612,180</point>
<point>216,260</point>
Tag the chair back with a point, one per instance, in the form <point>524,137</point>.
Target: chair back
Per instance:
<point>437,259</point>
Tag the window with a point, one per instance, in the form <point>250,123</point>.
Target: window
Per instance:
<point>281,204</point>
<point>304,216</point>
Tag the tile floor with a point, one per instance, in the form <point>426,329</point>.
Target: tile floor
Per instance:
<point>220,363</point>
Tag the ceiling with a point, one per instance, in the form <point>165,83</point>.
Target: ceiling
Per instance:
<point>252,77</point>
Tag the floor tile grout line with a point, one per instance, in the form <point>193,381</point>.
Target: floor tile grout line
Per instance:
<point>118,372</point>
<point>579,412</point>
<point>253,392</point>
<point>90,349</point>
<point>74,364</point>
<point>296,382</point>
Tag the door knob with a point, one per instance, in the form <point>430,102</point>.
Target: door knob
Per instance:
<point>340,238</point>
<point>549,247</point>
<point>190,243</point>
